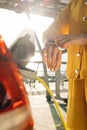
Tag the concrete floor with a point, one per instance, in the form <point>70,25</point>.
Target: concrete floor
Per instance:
<point>45,115</point>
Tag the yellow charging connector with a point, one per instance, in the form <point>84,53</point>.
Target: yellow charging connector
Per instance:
<point>55,102</point>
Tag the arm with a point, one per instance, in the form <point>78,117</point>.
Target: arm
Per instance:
<point>65,41</point>
<point>59,26</point>
<point>51,54</point>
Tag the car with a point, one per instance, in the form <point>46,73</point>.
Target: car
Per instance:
<point>15,109</point>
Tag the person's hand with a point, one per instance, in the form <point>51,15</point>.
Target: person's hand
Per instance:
<point>52,56</point>
<point>63,41</point>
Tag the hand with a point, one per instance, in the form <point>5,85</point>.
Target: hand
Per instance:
<point>52,56</point>
<point>64,41</point>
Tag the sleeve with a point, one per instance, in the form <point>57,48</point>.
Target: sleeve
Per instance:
<point>60,25</point>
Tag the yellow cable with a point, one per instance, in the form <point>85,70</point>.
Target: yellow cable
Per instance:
<point>55,102</point>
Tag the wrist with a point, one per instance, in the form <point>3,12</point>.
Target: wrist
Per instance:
<point>52,43</point>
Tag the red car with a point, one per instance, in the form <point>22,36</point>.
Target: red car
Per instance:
<point>15,110</point>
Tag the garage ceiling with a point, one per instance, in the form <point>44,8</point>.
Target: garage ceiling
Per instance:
<point>34,6</point>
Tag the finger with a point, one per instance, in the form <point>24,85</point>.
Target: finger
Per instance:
<point>49,57</point>
<point>58,60</point>
<point>55,60</point>
<point>44,55</point>
<point>63,41</point>
<point>54,56</point>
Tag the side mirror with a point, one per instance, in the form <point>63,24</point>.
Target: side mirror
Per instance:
<point>23,50</point>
